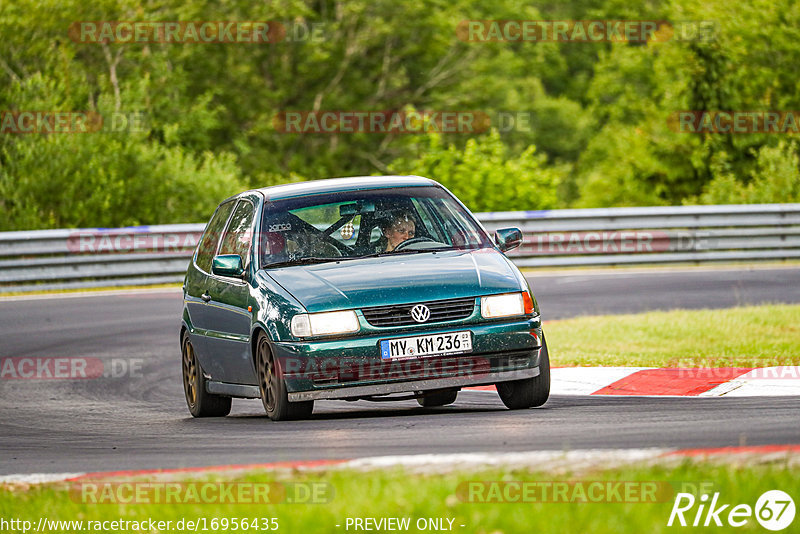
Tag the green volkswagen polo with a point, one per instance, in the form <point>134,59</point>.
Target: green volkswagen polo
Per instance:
<point>375,288</point>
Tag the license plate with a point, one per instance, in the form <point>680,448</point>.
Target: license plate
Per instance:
<point>414,347</point>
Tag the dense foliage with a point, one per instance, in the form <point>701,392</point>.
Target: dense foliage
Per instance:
<point>598,130</point>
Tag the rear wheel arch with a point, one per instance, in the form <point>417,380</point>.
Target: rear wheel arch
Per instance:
<point>200,402</point>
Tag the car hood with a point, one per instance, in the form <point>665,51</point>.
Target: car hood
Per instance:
<point>388,280</point>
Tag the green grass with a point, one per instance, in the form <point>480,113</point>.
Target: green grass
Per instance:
<point>753,336</point>
<point>400,494</point>
<point>175,285</point>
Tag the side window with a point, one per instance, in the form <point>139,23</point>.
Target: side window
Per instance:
<point>456,225</point>
<point>208,243</point>
<point>239,234</point>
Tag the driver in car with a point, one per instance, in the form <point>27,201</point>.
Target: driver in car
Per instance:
<point>400,228</point>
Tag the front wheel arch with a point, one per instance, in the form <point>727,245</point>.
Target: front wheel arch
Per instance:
<point>258,331</point>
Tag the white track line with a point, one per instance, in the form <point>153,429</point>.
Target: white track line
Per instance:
<point>429,463</point>
<point>38,478</point>
<point>545,461</point>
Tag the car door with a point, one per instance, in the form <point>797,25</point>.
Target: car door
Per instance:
<point>197,281</point>
<point>228,337</point>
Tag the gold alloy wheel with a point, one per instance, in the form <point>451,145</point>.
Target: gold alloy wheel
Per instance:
<point>267,379</point>
<point>189,372</point>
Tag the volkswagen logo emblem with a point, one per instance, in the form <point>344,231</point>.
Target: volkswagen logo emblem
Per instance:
<point>420,313</point>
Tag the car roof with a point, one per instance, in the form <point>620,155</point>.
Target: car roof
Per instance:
<point>335,185</point>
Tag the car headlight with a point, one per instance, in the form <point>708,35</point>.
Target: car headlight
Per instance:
<point>506,305</point>
<point>324,324</point>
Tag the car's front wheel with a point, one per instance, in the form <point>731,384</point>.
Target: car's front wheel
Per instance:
<point>200,402</point>
<point>273,387</point>
<point>528,392</point>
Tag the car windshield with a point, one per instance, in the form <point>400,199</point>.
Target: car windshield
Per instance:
<point>356,224</point>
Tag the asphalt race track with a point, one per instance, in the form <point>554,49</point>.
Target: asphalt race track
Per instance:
<point>139,420</point>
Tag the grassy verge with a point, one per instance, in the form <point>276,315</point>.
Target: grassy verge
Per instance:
<point>386,494</point>
<point>753,336</point>
<point>176,285</point>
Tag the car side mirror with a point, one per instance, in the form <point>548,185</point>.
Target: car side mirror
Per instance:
<point>227,265</point>
<point>508,238</point>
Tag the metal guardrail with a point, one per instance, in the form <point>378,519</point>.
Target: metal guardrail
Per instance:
<point>96,257</point>
<point>57,259</point>
<point>653,235</point>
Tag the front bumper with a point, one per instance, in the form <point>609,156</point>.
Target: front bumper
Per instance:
<point>414,386</point>
<point>352,367</point>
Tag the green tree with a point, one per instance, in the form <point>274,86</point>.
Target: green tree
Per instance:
<point>776,178</point>
<point>484,175</point>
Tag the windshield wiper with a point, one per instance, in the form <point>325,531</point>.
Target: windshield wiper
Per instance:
<point>432,249</point>
<point>373,255</point>
<point>308,260</point>
<point>401,252</point>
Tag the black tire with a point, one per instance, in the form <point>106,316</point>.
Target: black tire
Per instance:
<point>200,402</point>
<point>273,388</point>
<point>438,398</point>
<point>528,392</point>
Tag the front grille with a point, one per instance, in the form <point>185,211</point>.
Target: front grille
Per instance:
<point>400,315</point>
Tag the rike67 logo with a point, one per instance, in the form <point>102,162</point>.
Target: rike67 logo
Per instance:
<point>774,510</point>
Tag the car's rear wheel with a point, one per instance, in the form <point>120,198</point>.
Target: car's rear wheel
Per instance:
<point>528,392</point>
<point>430,399</point>
<point>273,387</point>
<point>200,402</point>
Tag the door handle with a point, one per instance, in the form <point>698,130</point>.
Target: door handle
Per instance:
<point>206,297</point>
